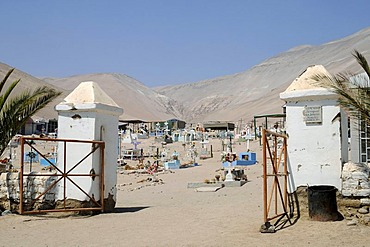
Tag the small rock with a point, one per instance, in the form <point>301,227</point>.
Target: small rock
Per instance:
<point>365,201</point>
<point>363,210</point>
<point>366,220</point>
<point>267,228</point>
<point>353,203</point>
<point>348,214</point>
<point>6,212</point>
<point>352,223</point>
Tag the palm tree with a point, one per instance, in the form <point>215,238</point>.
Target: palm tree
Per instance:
<point>15,110</point>
<point>354,91</point>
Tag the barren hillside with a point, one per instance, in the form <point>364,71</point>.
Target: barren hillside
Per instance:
<point>137,100</point>
<point>256,91</point>
<point>29,82</point>
<point>229,98</point>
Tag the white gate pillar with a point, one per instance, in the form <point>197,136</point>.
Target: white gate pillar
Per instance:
<point>88,113</point>
<point>317,132</point>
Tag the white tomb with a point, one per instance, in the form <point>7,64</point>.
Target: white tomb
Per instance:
<point>88,113</point>
<point>317,132</point>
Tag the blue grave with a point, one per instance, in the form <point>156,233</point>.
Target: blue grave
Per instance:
<point>44,162</point>
<point>173,164</point>
<point>244,159</point>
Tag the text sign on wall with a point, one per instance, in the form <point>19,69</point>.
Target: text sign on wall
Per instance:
<point>312,114</point>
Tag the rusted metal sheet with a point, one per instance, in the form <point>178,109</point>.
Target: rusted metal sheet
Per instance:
<point>322,203</point>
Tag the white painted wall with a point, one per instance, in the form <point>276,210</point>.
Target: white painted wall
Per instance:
<point>88,121</point>
<point>315,150</point>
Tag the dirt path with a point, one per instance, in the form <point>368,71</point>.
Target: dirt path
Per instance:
<point>170,214</point>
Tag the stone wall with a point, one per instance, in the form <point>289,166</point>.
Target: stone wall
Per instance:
<point>33,186</point>
<point>355,180</point>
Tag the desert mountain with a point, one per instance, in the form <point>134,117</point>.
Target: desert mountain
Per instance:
<point>228,98</point>
<point>256,91</point>
<point>29,82</point>
<point>138,101</point>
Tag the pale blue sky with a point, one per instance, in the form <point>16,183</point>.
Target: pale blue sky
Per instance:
<point>160,42</point>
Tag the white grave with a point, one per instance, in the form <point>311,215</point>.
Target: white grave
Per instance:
<point>88,113</point>
<point>315,125</point>
<point>129,137</point>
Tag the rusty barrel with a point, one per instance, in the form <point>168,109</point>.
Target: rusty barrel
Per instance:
<point>322,203</point>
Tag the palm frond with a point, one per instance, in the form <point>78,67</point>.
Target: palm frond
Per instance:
<point>354,94</point>
<point>5,96</point>
<point>15,111</point>
<point>2,83</point>
<point>362,62</point>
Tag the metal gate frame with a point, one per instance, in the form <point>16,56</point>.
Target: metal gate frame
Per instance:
<point>62,174</point>
<point>276,170</point>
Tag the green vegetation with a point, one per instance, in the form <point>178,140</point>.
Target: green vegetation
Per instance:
<point>354,91</point>
<point>15,110</point>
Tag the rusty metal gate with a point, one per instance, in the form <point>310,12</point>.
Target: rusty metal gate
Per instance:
<point>61,174</point>
<point>275,178</point>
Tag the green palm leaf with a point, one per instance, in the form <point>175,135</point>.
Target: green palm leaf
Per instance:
<point>353,91</point>
<point>15,111</point>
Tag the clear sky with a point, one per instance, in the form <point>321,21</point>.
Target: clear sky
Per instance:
<point>160,42</point>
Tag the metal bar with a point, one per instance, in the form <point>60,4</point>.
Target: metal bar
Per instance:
<point>57,168</point>
<point>275,216</point>
<point>286,173</point>
<point>61,210</point>
<point>56,175</point>
<point>64,174</point>
<point>91,152</point>
<point>279,159</point>
<point>46,190</point>
<point>102,173</point>
<point>275,134</point>
<point>82,175</point>
<point>276,175</point>
<point>62,140</point>
<point>281,195</point>
<point>271,195</point>
<point>44,157</point>
<point>265,212</point>
<point>255,128</point>
<point>276,181</point>
<point>276,162</point>
<point>21,178</point>
<point>61,175</point>
<point>43,175</point>
<point>91,198</point>
<point>272,186</point>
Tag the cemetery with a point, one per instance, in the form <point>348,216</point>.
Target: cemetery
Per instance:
<point>91,164</point>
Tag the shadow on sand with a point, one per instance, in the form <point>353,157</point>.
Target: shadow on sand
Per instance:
<point>287,219</point>
<point>293,213</point>
<point>120,210</point>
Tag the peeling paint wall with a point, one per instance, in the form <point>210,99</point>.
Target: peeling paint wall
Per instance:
<point>315,125</point>
<point>314,149</point>
<point>89,114</point>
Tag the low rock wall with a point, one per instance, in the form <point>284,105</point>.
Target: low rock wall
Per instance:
<point>355,180</point>
<point>33,187</point>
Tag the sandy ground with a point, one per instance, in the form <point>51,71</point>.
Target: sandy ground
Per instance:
<point>170,214</point>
